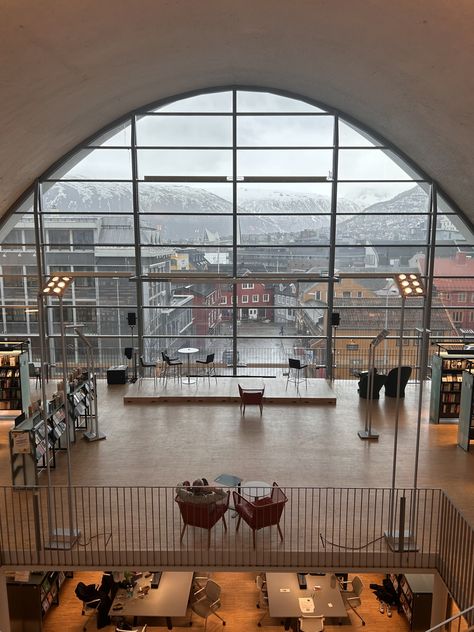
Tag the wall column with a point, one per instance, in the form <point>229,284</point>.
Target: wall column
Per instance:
<point>440,601</point>
<point>4,613</point>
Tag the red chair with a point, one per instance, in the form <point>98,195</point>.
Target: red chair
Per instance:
<point>202,514</point>
<point>251,396</point>
<point>262,512</point>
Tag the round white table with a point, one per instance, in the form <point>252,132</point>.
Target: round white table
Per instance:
<point>188,351</point>
<point>256,489</point>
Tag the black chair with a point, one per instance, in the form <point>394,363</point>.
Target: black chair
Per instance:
<point>147,365</point>
<point>170,366</point>
<point>91,600</point>
<point>208,367</point>
<point>377,383</point>
<point>294,372</point>
<point>34,372</point>
<point>392,378</point>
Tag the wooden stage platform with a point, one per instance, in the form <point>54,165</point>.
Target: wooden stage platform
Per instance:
<point>225,389</point>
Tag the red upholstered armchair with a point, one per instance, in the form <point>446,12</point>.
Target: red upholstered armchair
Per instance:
<point>251,396</point>
<point>197,511</point>
<point>262,512</point>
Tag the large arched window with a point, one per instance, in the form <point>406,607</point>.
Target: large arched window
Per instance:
<point>238,221</point>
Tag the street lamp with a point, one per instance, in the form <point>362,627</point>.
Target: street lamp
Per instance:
<point>56,287</point>
<point>409,285</point>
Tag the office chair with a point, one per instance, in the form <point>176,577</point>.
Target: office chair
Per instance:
<point>351,594</point>
<point>208,367</point>
<point>262,596</point>
<point>294,372</point>
<point>90,604</point>
<point>311,623</point>
<point>207,600</point>
<point>147,365</point>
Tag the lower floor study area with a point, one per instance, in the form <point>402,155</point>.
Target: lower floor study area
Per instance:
<point>156,601</point>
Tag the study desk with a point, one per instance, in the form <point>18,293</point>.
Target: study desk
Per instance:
<point>170,599</point>
<point>284,592</point>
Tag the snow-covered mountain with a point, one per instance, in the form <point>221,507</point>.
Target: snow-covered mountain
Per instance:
<point>206,210</point>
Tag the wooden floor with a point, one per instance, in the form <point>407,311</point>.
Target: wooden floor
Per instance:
<point>239,598</point>
<point>294,445</point>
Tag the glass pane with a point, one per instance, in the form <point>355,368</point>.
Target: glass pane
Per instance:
<point>210,258</point>
<point>87,197</point>
<point>373,164</point>
<point>349,135</point>
<point>268,102</point>
<point>284,197</point>
<point>181,162</point>
<point>366,228</point>
<point>118,136</point>
<point>96,164</point>
<point>187,131</point>
<point>389,258</point>
<point>284,259</point>
<point>281,163</point>
<point>378,197</point>
<point>109,257</point>
<point>186,229</point>
<point>211,102</point>
<point>284,229</point>
<point>451,228</point>
<point>200,197</point>
<point>291,131</point>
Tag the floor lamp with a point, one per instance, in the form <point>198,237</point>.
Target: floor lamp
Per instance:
<point>409,285</point>
<point>367,432</point>
<point>65,538</point>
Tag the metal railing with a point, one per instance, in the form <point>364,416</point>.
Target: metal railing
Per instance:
<point>269,360</point>
<point>322,528</point>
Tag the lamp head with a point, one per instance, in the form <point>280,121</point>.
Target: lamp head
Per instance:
<point>57,285</point>
<point>409,284</point>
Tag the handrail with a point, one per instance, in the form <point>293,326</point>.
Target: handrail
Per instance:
<point>323,529</point>
<point>456,616</point>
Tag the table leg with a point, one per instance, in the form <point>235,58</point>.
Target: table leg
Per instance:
<point>169,623</point>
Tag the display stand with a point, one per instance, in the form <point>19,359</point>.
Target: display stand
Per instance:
<point>466,413</point>
<point>30,600</point>
<point>415,592</point>
<point>367,432</point>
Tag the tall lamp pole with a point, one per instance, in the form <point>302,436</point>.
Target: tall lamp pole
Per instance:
<point>409,285</point>
<point>367,432</point>
<point>56,286</point>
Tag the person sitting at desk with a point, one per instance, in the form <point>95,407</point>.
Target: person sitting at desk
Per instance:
<point>200,492</point>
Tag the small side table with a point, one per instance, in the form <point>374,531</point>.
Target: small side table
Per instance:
<point>188,351</point>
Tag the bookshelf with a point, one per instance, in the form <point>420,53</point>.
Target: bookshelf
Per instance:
<point>415,592</point>
<point>29,601</point>
<point>14,378</point>
<point>447,369</point>
<point>466,413</point>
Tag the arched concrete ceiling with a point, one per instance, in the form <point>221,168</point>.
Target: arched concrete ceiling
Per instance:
<point>403,68</point>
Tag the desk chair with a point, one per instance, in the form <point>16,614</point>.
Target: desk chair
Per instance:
<point>311,623</point>
<point>351,594</point>
<point>294,372</point>
<point>207,600</point>
<point>208,367</point>
<point>90,605</point>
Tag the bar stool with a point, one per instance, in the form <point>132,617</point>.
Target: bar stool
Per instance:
<point>170,368</point>
<point>208,367</point>
<point>294,372</point>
